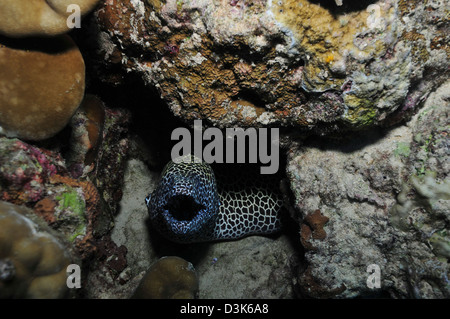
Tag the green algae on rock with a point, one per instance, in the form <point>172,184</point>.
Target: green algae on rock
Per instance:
<point>70,212</point>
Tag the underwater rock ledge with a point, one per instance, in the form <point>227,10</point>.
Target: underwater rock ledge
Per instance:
<point>384,199</point>
<point>286,63</point>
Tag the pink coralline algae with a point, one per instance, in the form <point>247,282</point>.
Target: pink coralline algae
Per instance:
<point>38,156</point>
<point>171,48</point>
<point>24,171</point>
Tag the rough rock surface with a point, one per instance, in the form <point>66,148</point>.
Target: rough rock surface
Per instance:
<point>386,199</point>
<point>312,64</point>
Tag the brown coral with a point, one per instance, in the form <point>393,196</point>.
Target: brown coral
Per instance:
<point>41,85</point>
<point>169,278</point>
<point>32,261</point>
<point>39,17</point>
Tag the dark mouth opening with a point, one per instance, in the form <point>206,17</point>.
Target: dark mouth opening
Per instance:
<point>183,207</point>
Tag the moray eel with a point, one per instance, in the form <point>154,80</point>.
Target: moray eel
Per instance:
<point>189,205</point>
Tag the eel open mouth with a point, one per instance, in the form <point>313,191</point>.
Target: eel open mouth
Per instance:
<point>183,207</point>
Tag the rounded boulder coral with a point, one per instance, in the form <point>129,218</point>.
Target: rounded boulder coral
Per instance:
<point>169,278</point>
<point>42,83</point>
<point>32,261</point>
<point>39,17</point>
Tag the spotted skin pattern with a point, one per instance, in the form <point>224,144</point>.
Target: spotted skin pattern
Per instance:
<point>189,205</point>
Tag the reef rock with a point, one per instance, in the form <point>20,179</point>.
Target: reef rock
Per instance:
<point>384,203</point>
<point>26,170</point>
<point>312,64</point>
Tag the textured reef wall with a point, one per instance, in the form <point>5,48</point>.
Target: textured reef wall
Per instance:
<point>378,198</point>
<point>83,138</point>
<point>384,199</point>
<point>309,64</point>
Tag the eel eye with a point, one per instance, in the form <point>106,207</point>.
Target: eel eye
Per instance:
<point>147,199</point>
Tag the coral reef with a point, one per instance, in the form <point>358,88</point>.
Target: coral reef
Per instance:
<point>429,202</point>
<point>38,178</point>
<point>67,180</point>
<point>25,171</point>
<point>87,133</point>
<point>75,168</point>
<point>300,63</point>
<point>169,278</point>
<point>97,173</point>
<point>386,197</point>
<point>20,18</point>
<point>76,212</point>
<point>33,262</point>
<point>111,157</point>
<point>78,206</point>
<point>42,84</point>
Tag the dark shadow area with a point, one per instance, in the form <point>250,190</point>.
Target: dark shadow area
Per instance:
<point>348,142</point>
<point>51,45</point>
<point>348,6</point>
<point>250,96</point>
<point>194,252</point>
<point>152,121</point>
